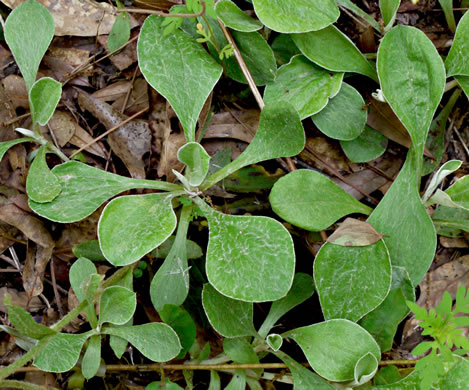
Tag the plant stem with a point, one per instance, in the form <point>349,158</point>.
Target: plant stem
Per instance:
<point>13,384</point>
<point>164,14</point>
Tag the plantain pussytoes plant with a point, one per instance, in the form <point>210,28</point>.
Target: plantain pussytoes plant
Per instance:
<point>363,275</point>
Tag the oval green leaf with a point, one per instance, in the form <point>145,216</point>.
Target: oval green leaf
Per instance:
<point>117,305</point>
<point>85,188</point>
<point>368,146</point>
<point>352,281</point>
<point>333,50</point>
<point>131,226</point>
<point>288,16</point>
<point>41,184</point>
<point>248,258</point>
<point>459,192</point>
<point>182,323</point>
<point>44,97</point>
<point>80,272</point>
<point>92,357</point>
<point>197,162</point>
<point>329,350</point>
<point>155,340</point>
<point>344,118</point>
<point>456,62</point>
<point>229,317</point>
<point>233,17</point>
<point>4,146</point>
<point>306,86</point>
<point>120,32</point>
<point>29,30</point>
<point>309,200</point>
<point>179,69</point>
<point>388,10</point>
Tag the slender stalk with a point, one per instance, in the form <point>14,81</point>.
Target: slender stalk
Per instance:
<point>164,14</point>
<point>13,384</point>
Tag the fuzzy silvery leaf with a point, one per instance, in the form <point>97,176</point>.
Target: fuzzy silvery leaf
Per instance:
<point>44,97</point>
<point>197,162</point>
<point>233,17</point>
<point>4,146</point>
<point>92,357</point>
<point>117,305</point>
<point>456,62</point>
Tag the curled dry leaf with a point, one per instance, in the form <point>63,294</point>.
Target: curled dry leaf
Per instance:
<point>241,125</point>
<point>15,89</point>
<point>138,99</point>
<point>129,142</point>
<point>62,61</point>
<point>353,232</point>
<point>63,126</point>
<point>37,258</point>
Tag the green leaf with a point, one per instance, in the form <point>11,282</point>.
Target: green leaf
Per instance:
<point>197,162</point>
<point>463,82</point>
<point>387,375</point>
<point>383,321</point>
<point>215,383</point>
<point>29,30</point>
<point>25,324</point>
<point>166,385</point>
<point>348,4</point>
<point>92,357</point>
<point>164,344</point>
<point>298,16</point>
<point>459,192</point>
<point>351,281</point>
<point>280,134</point>
<point>344,117</point>
<point>117,305</point>
<point>170,285</point>
<point>44,97</point>
<point>240,350</point>
<point>248,258</point>
<point>333,50</point>
<point>90,250</point>
<point>85,188</point>
<point>61,352</point>
<point>446,169</point>
<point>4,146</point>
<point>182,323</point>
<point>233,17</point>
<point>410,382</point>
<point>301,289</point>
<point>388,11</point>
<point>447,6</point>
<point>258,56</point>
<point>274,341</point>
<point>412,78</point>
<point>306,86</point>
<point>238,382</point>
<point>179,69</point>
<point>410,233</point>
<point>81,271</point>
<point>308,199</point>
<point>229,317</point>
<point>329,350</point>
<point>423,347</point>
<point>284,48</point>
<point>194,251</point>
<point>120,32</point>
<point>368,146</point>
<point>41,184</point>
<point>456,377</point>
<point>366,368</point>
<point>133,225</point>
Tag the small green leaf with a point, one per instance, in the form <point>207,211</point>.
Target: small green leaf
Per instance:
<point>182,323</point>
<point>229,317</point>
<point>329,350</point>
<point>280,134</point>
<point>388,10</point>
<point>120,32</point>
<point>446,304</point>
<point>248,258</point>
<point>133,225</point>
<point>447,6</point>
<point>61,352</point>
<point>166,385</point>
<point>306,86</point>
<point>4,146</point>
<point>351,281</point>
<point>284,48</point>
<point>156,341</point>
<point>92,357</point>
<point>197,162</point>
<point>333,50</point>
<point>179,69</point>
<point>446,169</point>
<point>301,289</point>
<point>29,30</point>
<point>25,324</point>
<point>90,250</point>
<point>233,17</point>
<point>368,146</point>
<point>387,375</point>
<point>463,82</point>
<point>240,350</point>
<point>344,117</point>
<point>41,184</point>
<point>365,369</point>
<point>117,305</point>
<point>423,347</point>
<point>459,192</point>
<point>44,97</point>
<point>274,341</point>
<point>238,382</point>
<point>288,16</point>
<point>308,199</point>
<point>85,188</point>
<point>81,271</point>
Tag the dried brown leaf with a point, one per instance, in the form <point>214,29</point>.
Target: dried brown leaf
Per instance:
<point>82,138</point>
<point>138,99</point>
<point>241,125</point>
<point>19,298</point>
<point>63,126</point>
<point>353,232</point>
<point>37,258</point>
<point>124,58</point>
<point>15,89</point>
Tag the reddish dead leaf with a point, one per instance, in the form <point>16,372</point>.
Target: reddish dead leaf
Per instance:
<point>19,298</point>
<point>37,258</point>
<point>353,232</point>
<point>241,125</point>
<point>129,142</point>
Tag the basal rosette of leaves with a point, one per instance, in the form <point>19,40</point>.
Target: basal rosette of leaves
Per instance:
<point>363,275</point>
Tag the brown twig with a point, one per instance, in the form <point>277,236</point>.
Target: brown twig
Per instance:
<point>54,287</point>
<point>164,14</point>
<point>109,131</point>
